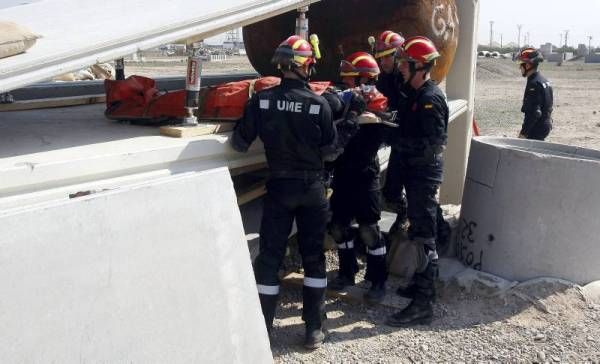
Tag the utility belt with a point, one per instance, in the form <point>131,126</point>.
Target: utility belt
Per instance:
<point>297,174</point>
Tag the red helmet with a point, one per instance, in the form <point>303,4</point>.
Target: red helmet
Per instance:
<point>420,49</point>
<point>359,64</point>
<point>387,43</point>
<point>293,52</point>
<point>530,55</point>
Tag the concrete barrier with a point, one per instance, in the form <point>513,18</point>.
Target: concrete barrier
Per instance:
<point>156,272</point>
<point>531,209</point>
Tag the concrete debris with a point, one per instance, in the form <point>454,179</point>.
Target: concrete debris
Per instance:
<point>591,292</point>
<point>482,284</point>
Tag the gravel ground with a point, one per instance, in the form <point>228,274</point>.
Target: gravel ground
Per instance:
<point>538,321</point>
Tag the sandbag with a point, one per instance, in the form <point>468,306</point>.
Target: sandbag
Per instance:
<point>15,39</point>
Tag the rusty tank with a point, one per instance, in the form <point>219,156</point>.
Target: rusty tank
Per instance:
<point>343,27</point>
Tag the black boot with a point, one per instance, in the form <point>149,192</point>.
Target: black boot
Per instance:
<point>376,271</point>
<point>314,338</point>
<point>420,310</point>
<point>268,304</point>
<point>348,267</point>
<point>416,313</point>
<point>313,314</point>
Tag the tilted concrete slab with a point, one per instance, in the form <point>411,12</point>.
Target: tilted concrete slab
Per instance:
<point>79,33</point>
<point>154,272</point>
<point>530,209</point>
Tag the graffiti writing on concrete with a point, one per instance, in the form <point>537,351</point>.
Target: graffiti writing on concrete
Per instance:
<point>468,252</point>
<point>444,21</point>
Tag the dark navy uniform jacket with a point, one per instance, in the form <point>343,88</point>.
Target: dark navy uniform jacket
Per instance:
<point>294,124</point>
<point>537,106</point>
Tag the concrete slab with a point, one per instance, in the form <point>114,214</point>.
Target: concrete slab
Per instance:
<point>537,217</point>
<point>42,149</point>
<point>139,274</point>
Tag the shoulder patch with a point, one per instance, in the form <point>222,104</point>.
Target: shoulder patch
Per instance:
<point>264,104</point>
<point>314,109</point>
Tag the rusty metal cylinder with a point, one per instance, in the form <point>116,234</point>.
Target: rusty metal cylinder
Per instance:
<point>345,25</point>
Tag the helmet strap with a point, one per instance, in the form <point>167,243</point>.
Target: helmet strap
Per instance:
<point>301,75</point>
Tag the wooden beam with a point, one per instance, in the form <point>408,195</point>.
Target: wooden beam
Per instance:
<point>251,193</point>
<point>197,130</point>
<point>53,102</point>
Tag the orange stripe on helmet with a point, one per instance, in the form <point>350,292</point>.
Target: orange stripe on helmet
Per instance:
<point>385,53</point>
<point>388,38</point>
<point>298,43</point>
<point>415,41</point>
<point>360,58</point>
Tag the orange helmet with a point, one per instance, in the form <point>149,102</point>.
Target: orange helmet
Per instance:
<point>420,49</point>
<point>387,43</point>
<point>295,51</point>
<point>530,55</point>
<point>359,64</point>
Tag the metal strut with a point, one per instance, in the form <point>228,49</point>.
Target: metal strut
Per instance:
<point>192,85</point>
<point>302,23</point>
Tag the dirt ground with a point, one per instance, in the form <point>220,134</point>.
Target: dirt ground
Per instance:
<point>499,92</point>
<point>537,322</point>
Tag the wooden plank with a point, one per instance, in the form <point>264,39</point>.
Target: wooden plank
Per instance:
<point>197,130</point>
<point>251,193</point>
<point>352,294</point>
<point>53,102</point>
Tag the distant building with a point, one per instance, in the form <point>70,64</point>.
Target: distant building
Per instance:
<point>546,49</point>
<point>582,50</point>
<point>593,58</point>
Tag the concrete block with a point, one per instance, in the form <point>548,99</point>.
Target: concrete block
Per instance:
<point>537,217</point>
<point>591,292</point>
<point>156,272</point>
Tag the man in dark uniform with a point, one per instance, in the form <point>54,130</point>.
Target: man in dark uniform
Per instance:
<point>356,187</point>
<point>391,84</point>
<point>538,99</point>
<point>421,139</point>
<point>295,126</point>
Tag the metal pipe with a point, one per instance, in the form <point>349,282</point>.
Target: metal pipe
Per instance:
<point>302,23</point>
<point>192,85</point>
<point>119,69</point>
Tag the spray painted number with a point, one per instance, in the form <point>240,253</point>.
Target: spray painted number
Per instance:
<point>466,245</point>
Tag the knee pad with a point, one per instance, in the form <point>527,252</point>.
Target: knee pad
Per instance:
<point>369,234</point>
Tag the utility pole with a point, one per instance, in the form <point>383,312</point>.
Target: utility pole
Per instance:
<point>528,40</point>
<point>589,45</point>
<point>519,26</point>
<point>565,49</point>
<point>491,33</point>
<point>501,36</point>
<point>560,44</point>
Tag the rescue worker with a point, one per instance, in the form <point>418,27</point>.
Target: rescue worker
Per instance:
<point>295,126</point>
<point>390,83</point>
<point>421,139</point>
<point>356,188</point>
<point>538,99</point>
